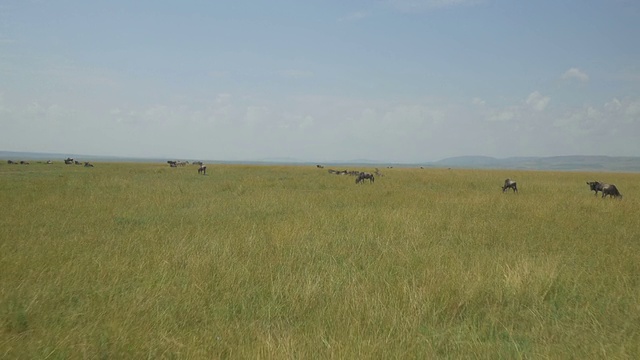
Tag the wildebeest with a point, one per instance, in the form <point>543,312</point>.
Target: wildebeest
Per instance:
<point>611,190</point>
<point>595,186</point>
<point>68,161</point>
<point>510,184</point>
<point>606,189</point>
<point>88,164</point>
<point>202,170</point>
<point>363,176</point>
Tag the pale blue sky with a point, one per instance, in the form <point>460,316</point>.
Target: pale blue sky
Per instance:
<point>387,80</point>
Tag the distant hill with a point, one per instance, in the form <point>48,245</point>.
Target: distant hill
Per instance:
<point>559,163</point>
<point>16,155</point>
<point>576,162</point>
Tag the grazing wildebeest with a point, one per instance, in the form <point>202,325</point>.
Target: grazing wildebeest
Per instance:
<point>611,190</point>
<point>595,186</point>
<point>202,170</point>
<point>10,162</point>
<point>320,166</point>
<point>363,176</point>
<point>87,164</point>
<point>606,189</point>
<point>68,161</point>
<point>510,184</point>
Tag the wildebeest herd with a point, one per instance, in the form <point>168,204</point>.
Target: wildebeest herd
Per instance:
<point>605,189</point>
<point>67,161</point>
<point>361,176</point>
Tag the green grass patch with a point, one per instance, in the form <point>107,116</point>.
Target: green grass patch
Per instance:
<point>143,260</point>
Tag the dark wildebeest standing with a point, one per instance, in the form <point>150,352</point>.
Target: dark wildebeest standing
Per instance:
<point>202,170</point>
<point>606,189</point>
<point>611,190</point>
<point>510,184</point>
<point>363,176</point>
<point>595,186</point>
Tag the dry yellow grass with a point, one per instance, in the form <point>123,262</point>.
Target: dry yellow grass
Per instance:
<point>143,260</point>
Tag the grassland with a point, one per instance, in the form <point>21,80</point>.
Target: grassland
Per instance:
<point>146,261</point>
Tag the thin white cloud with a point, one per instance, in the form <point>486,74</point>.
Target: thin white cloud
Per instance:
<point>503,115</point>
<point>223,98</point>
<point>306,122</point>
<point>478,102</point>
<point>613,105</point>
<point>628,111</point>
<point>257,115</point>
<point>537,101</point>
<point>632,112</point>
<point>575,74</point>
<point>515,112</point>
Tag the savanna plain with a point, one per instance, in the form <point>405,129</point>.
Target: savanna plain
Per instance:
<point>133,260</point>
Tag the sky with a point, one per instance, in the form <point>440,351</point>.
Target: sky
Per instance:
<point>405,81</point>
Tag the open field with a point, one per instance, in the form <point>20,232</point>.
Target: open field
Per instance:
<point>147,261</point>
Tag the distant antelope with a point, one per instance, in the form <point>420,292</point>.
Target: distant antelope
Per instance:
<point>510,184</point>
